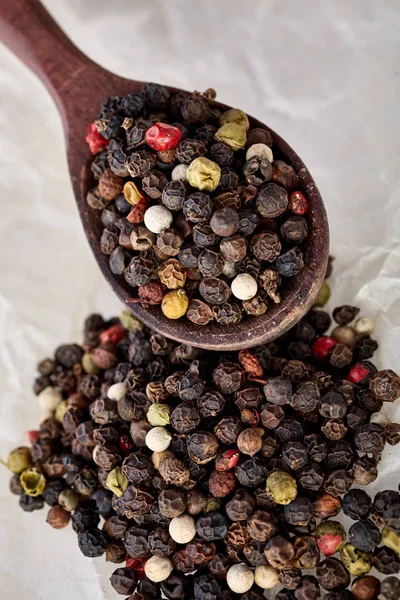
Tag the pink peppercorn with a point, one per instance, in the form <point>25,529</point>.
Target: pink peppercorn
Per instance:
<point>95,140</point>
<point>162,137</point>
<point>112,335</point>
<point>137,564</point>
<point>137,213</point>
<point>298,203</point>
<point>32,436</point>
<point>125,443</point>
<point>227,460</point>
<point>357,373</point>
<point>322,346</point>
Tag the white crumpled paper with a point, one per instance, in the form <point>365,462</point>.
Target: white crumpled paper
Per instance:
<point>325,75</point>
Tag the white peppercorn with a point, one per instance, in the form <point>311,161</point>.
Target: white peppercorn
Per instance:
<point>260,150</point>
<point>182,529</point>
<point>158,218</point>
<point>49,398</point>
<point>244,286</point>
<point>266,577</point>
<point>364,325</point>
<point>117,391</point>
<point>158,439</point>
<point>239,578</point>
<point>179,172</point>
<point>158,568</point>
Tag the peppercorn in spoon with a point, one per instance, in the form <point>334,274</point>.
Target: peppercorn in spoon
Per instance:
<point>79,88</point>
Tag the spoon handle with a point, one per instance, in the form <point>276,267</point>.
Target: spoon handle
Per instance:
<point>32,34</point>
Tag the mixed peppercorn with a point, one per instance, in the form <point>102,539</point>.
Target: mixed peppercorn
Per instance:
<point>209,475</point>
<point>200,214</point>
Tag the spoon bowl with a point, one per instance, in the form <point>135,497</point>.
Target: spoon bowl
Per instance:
<point>79,86</point>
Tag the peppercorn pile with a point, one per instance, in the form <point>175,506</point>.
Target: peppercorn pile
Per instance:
<point>209,475</point>
<point>198,216</point>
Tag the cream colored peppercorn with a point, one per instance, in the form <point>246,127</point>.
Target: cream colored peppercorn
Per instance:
<point>132,194</point>
<point>158,439</point>
<point>49,398</point>
<point>117,391</point>
<point>229,269</point>
<point>158,415</point>
<point>364,325</point>
<point>235,115</point>
<point>239,578</point>
<point>68,499</point>
<point>158,457</point>
<point>158,218</point>
<point>179,172</point>
<point>203,174</point>
<point>182,529</point>
<point>244,286</point>
<point>379,419</point>
<point>158,568</point>
<point>175,304</point>
<point>344,335</point>
<point>266,577</point>
<point>260,150</point>
<point>232,134</point>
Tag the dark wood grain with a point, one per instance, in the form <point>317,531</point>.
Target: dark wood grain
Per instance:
<point>79,86</point>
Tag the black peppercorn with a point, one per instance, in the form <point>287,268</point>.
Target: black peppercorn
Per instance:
<point>364,535</point>
<point>92,542</point>
<point>332,575</point>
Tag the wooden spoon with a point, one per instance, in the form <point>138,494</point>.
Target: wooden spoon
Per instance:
<point>79,86</point>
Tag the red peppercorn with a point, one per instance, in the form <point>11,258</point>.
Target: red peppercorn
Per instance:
<point>32,436</point>
<point>163,137</point>
<point>125,443</point>
<point>357,373</point>
<point>137,213</point>
<point>137,564</point>
<point>322,346</point>
<point>95,140</point>
<point>227,460</point>
<point>112,335</point>
<point>297,203</point>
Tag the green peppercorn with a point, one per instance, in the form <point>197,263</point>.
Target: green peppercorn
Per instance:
<point>282,486</point>
<point>323,295</point>
<point>19,460</point>
<point>203,174</point>
<point>117,482</point>
<point>391,540</point>
<point>232,134</point>
<point>235,115</point>
<point>61,410</point>
<point>158,415</point>
<point>130,322</point>
<point>356,562</point>
<point>33,482</point>
<point>88,364</point>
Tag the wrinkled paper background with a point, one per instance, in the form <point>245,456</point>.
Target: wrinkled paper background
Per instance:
<point>325,75</point>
